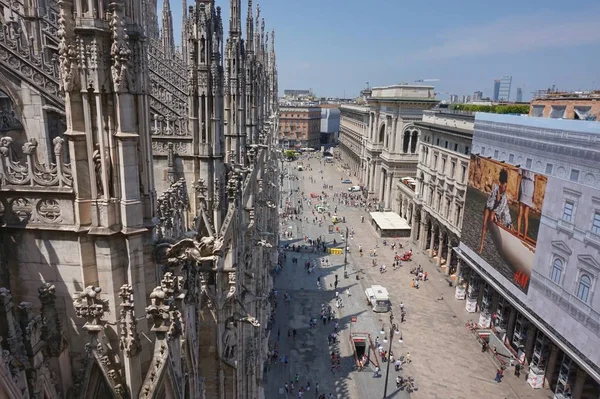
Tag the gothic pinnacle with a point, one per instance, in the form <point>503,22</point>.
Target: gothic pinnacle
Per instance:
<point>235,17</point>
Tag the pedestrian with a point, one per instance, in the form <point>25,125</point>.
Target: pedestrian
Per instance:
<point>401,306</point>
<point>317,388</point>
<point>297,378</point>
<point>278,333</point>
<point>518,370</point>
<point>376,373</point>
<point>402,315</point>
<point>308,386</point>
<point>498,375</point>
<point>287,389</point>
<point>294,333</point>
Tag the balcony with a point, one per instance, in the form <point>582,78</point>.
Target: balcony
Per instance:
<point>565,227</point>
<point>592,239</point>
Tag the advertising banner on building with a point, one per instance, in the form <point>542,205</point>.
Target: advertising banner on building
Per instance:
<point>503,207</point>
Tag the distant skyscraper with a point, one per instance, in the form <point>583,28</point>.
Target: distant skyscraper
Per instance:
<point>453,98</point>
<point>468,99</point>
<point>496,94</point>
<point>463,99</point>
<point>477,96</point>
<point>519,94</point>
<point>504,90</point>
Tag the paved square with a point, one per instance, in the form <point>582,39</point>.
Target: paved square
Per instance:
<point>447,361</point>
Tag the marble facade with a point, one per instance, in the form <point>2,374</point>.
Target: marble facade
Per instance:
<point>124,152</point>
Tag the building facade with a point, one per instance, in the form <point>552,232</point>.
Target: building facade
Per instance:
<point>354,125</point>
<point>330,124</point>
<point>583,106</point>
<point>300,127</point>
<point>136,192</point>
<point>392,139</point>
<point>437,209</point>
<point>532,272</point>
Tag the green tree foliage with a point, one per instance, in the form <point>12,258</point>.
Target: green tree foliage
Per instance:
<point>290,154</point>
<point>494,109</point>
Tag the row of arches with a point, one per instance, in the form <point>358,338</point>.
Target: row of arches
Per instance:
<point>408,143</point>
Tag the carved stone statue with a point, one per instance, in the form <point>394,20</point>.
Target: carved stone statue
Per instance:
<point>191,249</point>
<point>229,340</point>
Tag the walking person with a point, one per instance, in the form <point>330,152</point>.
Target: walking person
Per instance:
<point>518,370</point>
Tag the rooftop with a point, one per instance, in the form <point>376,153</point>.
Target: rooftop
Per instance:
<point>404,92</point>
<point>570,125</point>
<point>569,95</point>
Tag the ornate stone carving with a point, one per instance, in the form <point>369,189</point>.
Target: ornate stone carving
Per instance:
<point>129,341</point>
<point>67,55</point>
<point>90,307</point>
<point>119,50</point>
<point>32,173</point>
<point>229,340</point>
<point>159,311</point>
<point>171,210</point>
<point>51,325</point>
<point>189,249</point>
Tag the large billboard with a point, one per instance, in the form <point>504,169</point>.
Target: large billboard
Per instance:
<point>502,216</point>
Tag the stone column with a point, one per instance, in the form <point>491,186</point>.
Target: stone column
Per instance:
<point>440,243</point>
<point>432,242</point>
<point>422,235</point>
<point>381,193</point>
<point>388,197</point>
<point>551,369</point>
<point>529,344</point>
<point>448,256</point>
<point>413,229</point>
<point>510,326</point>
<point>579,383</point>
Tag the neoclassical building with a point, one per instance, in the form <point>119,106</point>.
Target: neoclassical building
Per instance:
<point>354,125</point>
<point>441,183</point>
<point>137,192</point>
<point>392,139</point>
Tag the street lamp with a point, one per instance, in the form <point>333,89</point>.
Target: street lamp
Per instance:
<point>393,329</point>
<point>346,254</point>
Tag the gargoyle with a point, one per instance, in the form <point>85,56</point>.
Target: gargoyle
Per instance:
<point>188,249</point>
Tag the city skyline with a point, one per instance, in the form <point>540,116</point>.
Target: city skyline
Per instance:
<point>465,47</point>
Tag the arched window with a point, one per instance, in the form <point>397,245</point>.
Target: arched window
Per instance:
<point>583,288</point>
<point>381,133</point>
<point>557,267</point>
<point>406,142</point>
<point>413,143</point>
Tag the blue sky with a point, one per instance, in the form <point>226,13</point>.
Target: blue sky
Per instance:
<point>336,46</point>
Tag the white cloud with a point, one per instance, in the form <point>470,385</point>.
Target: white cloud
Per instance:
<point>516,35</point>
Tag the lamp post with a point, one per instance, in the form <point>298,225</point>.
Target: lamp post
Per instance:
<point>346,254</point>
<point>393,329</point>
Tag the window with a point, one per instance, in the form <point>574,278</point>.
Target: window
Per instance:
<point>557,112</point>
<point>583,288</point>
<point>439,203</point>
<point>437,141</point>
<point>467,150</point>
<point>511,158</point>
<point>446,144</point>
<point>463,172</point>
<point>549,168</point>
<point>574,175</point>
<point>496,154</point>
<point>557,267</point>
<point>434,166</point>
<point>528,163</point>
<point>458,211</point>
<point>447,208</point>
<point>596,223</point>
<point>452,169</point>
<point>568,211</point>
<point>482,151</point>
<point>443,165</point>
<point>456,147</point>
